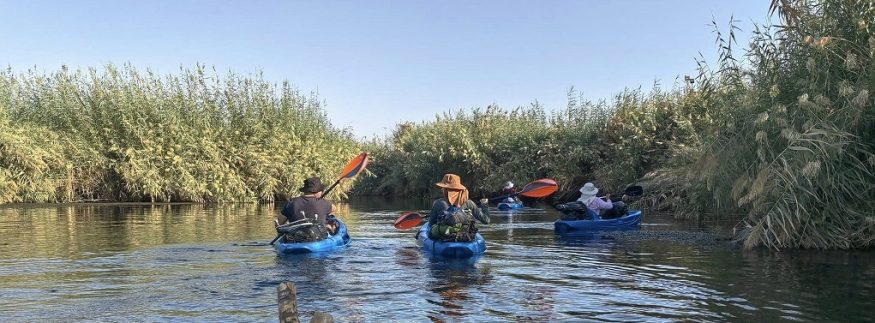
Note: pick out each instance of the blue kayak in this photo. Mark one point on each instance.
(450, 249)
(509, 206)
(628, 221)
(333, 242)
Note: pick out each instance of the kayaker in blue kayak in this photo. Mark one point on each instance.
(597, 204)
(509, 190)
(307, 217)
(452, 216)
(591, 207)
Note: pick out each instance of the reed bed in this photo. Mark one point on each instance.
(121, 134)
(794, 158)
(777, 136)
(616, 142)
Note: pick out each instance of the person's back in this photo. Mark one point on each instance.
(452, 217)
(304, 218)
(455, 223)
(509, 190)
(308, 207)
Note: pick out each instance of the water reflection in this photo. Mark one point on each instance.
(179, 262)
(74, 231)
(453, 280)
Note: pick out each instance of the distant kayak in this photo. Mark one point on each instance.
(333, 242)
(628, 221)
(450, 249)
(510, 206)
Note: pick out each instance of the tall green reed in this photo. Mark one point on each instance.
(191, 136)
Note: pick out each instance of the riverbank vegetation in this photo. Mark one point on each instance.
(780, 138)
(125, 135)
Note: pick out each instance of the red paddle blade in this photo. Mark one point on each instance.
(356, 165)
(540, 188)
(409, 220)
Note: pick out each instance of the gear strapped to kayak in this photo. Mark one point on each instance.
(333, 242)
(577, 211)
(305, 230)
(454, 224)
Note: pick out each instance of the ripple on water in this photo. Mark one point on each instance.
(213, 264)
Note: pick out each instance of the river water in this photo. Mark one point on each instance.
(203, 263)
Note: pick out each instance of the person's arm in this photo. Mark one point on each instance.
(605, 204)
(437, 209)
(282, 217)
(480, 213)
(330, 210)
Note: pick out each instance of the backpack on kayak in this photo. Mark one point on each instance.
(620, 209)
(303, 230)
(455, 224)
(576, 211)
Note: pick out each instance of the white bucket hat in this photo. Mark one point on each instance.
(588, 189)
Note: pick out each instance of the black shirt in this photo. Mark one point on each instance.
(308, 207)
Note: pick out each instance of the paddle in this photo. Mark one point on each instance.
(537, 189)
(355, 166)
(409, 220)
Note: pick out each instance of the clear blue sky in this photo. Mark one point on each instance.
(377, 63)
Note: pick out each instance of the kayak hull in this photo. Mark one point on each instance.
(450, 249)
(333, 242)
(509, 206)
(626, 222)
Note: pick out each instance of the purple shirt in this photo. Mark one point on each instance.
(598, 205)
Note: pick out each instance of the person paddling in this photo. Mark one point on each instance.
(599, 205)
(452, 216)
(307, 217)
(509, 190)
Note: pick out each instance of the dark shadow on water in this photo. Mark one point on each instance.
(453, 280)
(451, 264)
(409, 257)
(582, 238)
(252, 244)
(308, 271)
(589, 237)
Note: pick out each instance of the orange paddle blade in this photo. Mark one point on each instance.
(409, 220)
(540, 188)
(356, 165)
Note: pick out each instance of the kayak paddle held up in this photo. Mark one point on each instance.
(536, 189)
(355, 166)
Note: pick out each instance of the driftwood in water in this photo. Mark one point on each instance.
(288, 306)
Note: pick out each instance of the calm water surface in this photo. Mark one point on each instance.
(210, 263)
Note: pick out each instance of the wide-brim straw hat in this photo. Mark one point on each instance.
(589, 189)
(451, 182)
